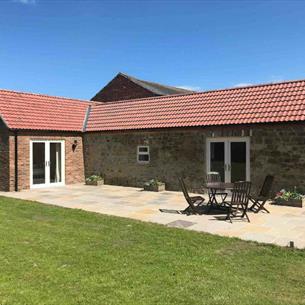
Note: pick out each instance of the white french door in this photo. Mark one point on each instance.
(47, 163)
(230, 157)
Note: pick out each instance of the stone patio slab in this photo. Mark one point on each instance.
(282, 225)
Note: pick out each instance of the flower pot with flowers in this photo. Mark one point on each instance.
(95, 180)
(289, 198)
(154, 185)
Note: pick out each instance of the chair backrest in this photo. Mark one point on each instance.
(184, 189)
(213, 177)
(185, 193)
(266, 187)
(241, 193)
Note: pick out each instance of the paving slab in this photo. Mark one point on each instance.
(282, 225)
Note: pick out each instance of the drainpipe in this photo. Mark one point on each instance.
(16, 161)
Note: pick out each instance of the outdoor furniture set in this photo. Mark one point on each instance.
(238, 203)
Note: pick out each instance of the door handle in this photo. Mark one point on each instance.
(227, 167)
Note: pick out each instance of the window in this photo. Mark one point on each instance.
(143, 154)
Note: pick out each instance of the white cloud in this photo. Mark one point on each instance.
(26, 2)
(192, 88)
(276, 78)
(272, 80)
(242, 85)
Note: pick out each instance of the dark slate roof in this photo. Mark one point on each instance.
(156, 88)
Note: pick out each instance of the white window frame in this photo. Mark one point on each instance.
(143, 153)
(227, 142)
(47, 167)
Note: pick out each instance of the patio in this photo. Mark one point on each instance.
(282, 225)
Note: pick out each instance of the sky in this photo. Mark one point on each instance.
(73, 48)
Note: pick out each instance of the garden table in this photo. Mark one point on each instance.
(214, 187)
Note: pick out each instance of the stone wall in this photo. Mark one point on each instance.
(173, 154)
(277, 149)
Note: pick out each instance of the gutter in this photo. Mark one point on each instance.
(16, 160)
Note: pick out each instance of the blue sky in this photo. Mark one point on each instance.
(73, 48)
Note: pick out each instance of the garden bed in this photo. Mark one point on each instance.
(289, 198)
(95, 180)
(297, 203)
(95, 183)
(155, 188)
(154, 185)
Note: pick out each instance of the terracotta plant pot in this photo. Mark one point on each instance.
(298, 203)
(155, 188)
(95, 183)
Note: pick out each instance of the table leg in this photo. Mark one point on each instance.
(214, 200)
(212, 197)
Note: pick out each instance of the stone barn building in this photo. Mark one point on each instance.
(243, 133)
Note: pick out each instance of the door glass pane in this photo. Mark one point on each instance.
(238, 161)
(39, 169)
(217, 158)
(55, 162)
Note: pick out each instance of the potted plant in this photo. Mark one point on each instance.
(289, 198)
(154, 185)
(95, 180)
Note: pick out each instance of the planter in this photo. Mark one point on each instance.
(95, 183)
(297, 203)
(155, 188)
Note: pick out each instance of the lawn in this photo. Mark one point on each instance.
(52, 255)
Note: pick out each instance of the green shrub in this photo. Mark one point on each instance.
(94, 178)
(288, 195)
(153, 182)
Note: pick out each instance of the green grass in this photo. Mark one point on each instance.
(51, 255)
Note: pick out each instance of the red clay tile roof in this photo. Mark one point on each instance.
(280, 102)
(41, 112)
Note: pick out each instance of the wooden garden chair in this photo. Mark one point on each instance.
(238, 205)
(194, 202)
(258, 202)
